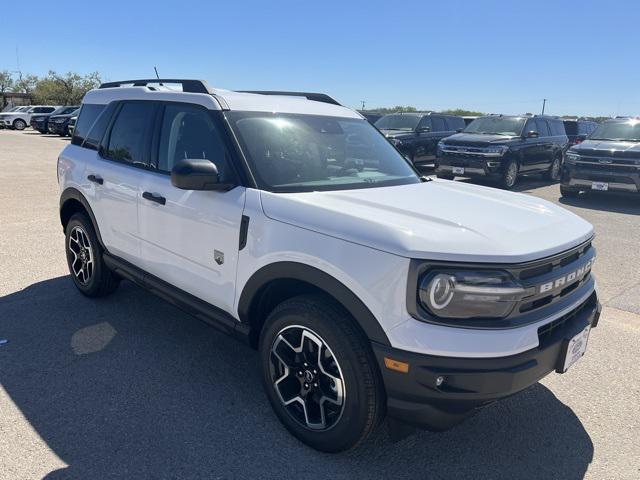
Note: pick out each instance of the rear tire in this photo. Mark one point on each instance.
(553, 174)
(329, 392)
(568, 192)
(509, 175)
(84, 259)
(19, 124)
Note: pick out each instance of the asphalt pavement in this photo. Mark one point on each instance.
(130, 387)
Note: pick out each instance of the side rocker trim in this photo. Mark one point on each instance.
(318, 278)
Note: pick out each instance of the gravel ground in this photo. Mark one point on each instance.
(130, 387)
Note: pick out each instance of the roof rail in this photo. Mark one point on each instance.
(189, 86)
(316, 97)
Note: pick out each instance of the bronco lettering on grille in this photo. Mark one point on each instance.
(567, 279)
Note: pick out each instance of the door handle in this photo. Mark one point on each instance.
(95, 179)
(152, 197)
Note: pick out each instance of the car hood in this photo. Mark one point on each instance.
(477, 139)
(603, 148)
(437, 220)
(53, 117)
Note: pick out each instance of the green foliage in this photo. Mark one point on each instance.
(25, 83)
(396, 109)
(66, 89)
(462, 112)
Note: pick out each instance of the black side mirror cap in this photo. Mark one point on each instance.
(197, 174)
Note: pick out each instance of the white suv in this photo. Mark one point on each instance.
(20, 119)
(290, 222)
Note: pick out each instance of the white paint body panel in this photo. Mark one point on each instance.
(363, 238)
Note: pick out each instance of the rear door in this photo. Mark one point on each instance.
(123, 156)
(190, 238)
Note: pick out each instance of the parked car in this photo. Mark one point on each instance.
(59, 124)
(372, 117)
(608, 160)
(503, 147)
(293, 225)
(11, 110)
(469, 118)
(20, 119)
(41, 122)
(578, 130)
(72, 125)
(416, 135)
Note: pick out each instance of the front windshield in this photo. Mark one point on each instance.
(65, 110)
(623, 131)
(511, 126)
(398, 122)
(302, 153)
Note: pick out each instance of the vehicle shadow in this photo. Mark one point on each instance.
(130, 387)
(607, 202)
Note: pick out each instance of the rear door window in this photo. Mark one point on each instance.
(127, 142)
(438, 124)
(454, 123)
(87, 116)
(543, 128)
(425, 123)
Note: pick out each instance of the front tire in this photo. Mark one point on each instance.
(319, 374)
(509, 175)
(568, 192)
(19, 124)
(84, 258)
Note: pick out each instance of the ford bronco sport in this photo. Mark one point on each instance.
(288, 221)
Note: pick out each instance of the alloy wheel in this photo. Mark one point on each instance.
(307, 378)
(80, 248)
(512, 174)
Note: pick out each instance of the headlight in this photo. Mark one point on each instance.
(498, 150)
(572, 157)
(395, 141)
(59, 120)
(469, 294)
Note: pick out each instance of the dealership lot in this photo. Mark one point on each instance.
(129, 386)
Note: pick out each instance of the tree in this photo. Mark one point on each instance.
(67, 89)
(6, 84)
(462, 112)
(396, 109)
(25, 83)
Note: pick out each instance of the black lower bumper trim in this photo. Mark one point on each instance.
(469, 383)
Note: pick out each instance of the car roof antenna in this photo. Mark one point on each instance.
(157, 76)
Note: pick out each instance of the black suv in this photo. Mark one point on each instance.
(416, 135)
(608, 160)
(40, 122)
(502, 147)
(578, 130)
(59, 124)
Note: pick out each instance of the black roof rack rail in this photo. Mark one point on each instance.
(189, 86)
(316, 97)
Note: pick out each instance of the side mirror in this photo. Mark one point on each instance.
(197, 174)
(532, 134)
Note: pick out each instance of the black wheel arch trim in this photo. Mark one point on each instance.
(318, 278)
(72, 193)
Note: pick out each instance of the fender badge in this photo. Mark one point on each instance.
(218, 256)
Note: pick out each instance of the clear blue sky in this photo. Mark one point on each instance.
(494, 56)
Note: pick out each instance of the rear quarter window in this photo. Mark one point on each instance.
(89, 112)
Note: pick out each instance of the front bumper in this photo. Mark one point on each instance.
(470, 383)
(474, 165)
(40, 126)
(57, 128)
(623, 178)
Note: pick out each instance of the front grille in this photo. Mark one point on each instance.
(554, 263)
(546, 332)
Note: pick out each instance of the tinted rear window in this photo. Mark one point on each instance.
(454, 123)
(438, 124)
(88, 115)
(127, 137)
(571, 127)
(557, 128)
